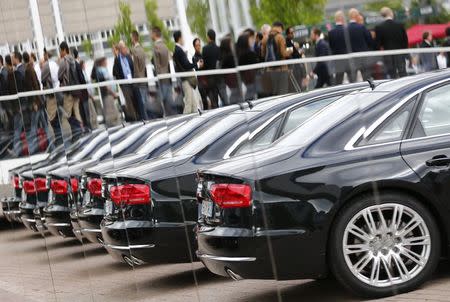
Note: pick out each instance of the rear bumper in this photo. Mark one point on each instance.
(239, 253)
(57, 220)
(27, 215)
(40, 220)
(76, 229)
(148, 242)
(89, 220)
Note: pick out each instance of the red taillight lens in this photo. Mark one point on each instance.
(94, 186)
(29, 187)
(16, 182)
(40, 184)
(229, 196)
(59, 186)
(130, 194)
(74, 184)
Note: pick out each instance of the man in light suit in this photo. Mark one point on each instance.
(161, 57)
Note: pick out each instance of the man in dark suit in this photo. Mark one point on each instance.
(124, 69)
(390, 35)
(360, 40)
(322, 49)
(339, 45)
(211, 58)
(447, 44)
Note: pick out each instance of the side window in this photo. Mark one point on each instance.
(299, 115)
(434, 114)
(392, 129)
(262, 140)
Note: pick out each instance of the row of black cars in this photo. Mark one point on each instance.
(351, 181)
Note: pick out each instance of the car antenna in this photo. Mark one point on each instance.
(241, 106)
(250, 104)
(199, 112)
(371, 84)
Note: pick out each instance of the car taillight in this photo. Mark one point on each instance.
(229, 196)
(94, 186)
(16, 182)
(131, 194)
(40, 184)
(29, 187)
(59, 186)
(74, 184)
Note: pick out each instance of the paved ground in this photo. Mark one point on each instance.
(33, 268)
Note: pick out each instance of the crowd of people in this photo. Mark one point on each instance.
(39, 122)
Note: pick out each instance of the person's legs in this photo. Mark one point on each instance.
(129, 109)
(400, 64)
(188, 97)
(143, 92)
(18, 126)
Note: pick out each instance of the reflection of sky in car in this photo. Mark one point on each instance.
(175, 135)
(213, 133)
(326, 117)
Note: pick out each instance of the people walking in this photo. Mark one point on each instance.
(123, 69)
(322, 49)
(161, 58)
(247, 56)
(140, 71)
(339, 45)
(391, 35)
(182, 64)
(298, 70)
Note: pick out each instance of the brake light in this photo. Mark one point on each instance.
(40, 184)
(59, 186)
(94, 186)
(131, 194)
(74, 184)
(29, 187)
(16, 182)
(229, 196)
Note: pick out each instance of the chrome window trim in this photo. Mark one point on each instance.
(367, 132)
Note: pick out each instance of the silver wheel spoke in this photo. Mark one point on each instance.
(375, 273)
(384, 226)
(397, 217)
(419, 260)
(356, 248)
(421, 240)
(387, 268)
(358, 232)
(368, 218)
(401, 267)
(362, 263)
(412, 224)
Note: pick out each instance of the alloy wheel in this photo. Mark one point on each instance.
(387, 244)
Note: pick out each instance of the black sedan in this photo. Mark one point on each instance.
(57, 211)
(11, 205)
(151, 208)
(360, 191)
(92, 211)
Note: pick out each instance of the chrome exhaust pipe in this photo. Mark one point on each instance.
(233, 275)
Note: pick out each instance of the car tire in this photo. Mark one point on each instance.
(371, 265)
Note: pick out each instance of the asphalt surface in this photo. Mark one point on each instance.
(34, 268)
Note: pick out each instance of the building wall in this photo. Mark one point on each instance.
(15, 21)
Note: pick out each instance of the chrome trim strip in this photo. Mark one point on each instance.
(58, 224)
(129, 247)
(226, 259)
(351, 143)
(91, 230)
(30, 220)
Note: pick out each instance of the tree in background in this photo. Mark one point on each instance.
(151, 9)
(290, 12)
(124, 25)
(88, 48)
(376, 6)
(197, 12)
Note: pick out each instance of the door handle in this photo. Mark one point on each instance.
(438, 161)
